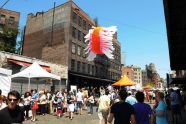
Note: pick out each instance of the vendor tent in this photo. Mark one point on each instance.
(35, 71)
(148, 86)
(5, 80)
(124, 81)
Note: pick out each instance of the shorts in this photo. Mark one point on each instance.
(70, 107)
(79, 104)
(103, 114)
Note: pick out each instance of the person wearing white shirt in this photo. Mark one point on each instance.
(79, 98)
(27, 100)
(43, 102)
(104, 105)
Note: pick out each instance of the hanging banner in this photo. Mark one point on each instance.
(5, 81)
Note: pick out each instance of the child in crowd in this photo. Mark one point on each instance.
(59, 109)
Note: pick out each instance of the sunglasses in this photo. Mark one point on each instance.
(14, 100)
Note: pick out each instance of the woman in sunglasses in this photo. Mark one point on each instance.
(12, 113)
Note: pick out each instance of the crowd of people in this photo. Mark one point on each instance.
(120, 105)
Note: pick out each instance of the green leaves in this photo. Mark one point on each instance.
(8, 39)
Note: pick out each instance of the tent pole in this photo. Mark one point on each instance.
(37, 79)
(60, 84)
(21, 88)
(28, 83)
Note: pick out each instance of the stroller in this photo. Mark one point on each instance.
(59, 108)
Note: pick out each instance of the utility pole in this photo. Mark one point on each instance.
(52, 32)
(4, 4)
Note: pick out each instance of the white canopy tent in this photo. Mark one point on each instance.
(5, 80)
(35, 71)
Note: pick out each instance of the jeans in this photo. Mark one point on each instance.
(91, 108)
(27, 108)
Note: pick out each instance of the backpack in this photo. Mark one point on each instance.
(68, 99)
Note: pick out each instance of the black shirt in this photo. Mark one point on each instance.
(122, 112)
(8, 116)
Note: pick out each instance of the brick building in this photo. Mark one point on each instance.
(8, 20)
(58, 36)
(137, 75)
(144, 77)
(128, 71)
(134, 73)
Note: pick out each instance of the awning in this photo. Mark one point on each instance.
(91, 77)
(178, 80)
(27, 64)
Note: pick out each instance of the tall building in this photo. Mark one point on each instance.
(137, 75)
(8, 20)
(153, 76)
(144, 77)
(58, 36)
(128, 71)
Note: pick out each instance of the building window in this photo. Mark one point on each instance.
(79, 21)
(89, 26)
(83, 37)
(73, 32)
(1, 28)
(73, 64)
(83, 52)
(88, 68)
(11, 20)
(93, 71)
(74, 17)
(73, 48)
(83, 67)
(2, 19)
(79, 50)
(96, 70)
(2, 16)
(79, 35)
(84, 24)
(78, 66)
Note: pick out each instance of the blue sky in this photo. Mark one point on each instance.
(141, 26)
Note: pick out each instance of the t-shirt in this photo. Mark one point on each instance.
(122, 112)
(79, 96)
(161, 107)
(142, 112)
(131, 100)
(8, 116)
(104, 102)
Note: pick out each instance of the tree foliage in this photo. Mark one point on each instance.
(8, 39)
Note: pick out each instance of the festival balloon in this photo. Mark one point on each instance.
(100, 42)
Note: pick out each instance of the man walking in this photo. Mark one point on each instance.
(104, 105)
(122, 112)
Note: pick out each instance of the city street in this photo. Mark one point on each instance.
(78, 119)
(82, 119)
